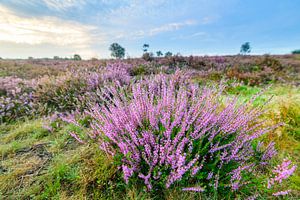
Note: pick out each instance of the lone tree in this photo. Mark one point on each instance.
(117, 50)
(168, 54)
(145, 47)
(245, 48)
(76, 57)
(159, 53)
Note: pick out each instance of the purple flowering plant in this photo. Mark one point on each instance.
(16, 99)
(167, 132)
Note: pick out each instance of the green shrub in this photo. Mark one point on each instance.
(138, 70)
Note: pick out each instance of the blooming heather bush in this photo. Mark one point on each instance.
(11, 85)
(15, 98)
(118, 71)
(169, 132)
(60, 94)
(17, 106)
(76, 89)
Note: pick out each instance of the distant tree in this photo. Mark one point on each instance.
(145, 47)
(245, 48)
(117, 50)
(168, 54)
(297, 51)
(30, 58)
(0, 58)
(76, 57)
(56, 58)
(159, 53)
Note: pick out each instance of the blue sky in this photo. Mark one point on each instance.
(47, 28)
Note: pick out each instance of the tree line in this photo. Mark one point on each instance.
(118, 52)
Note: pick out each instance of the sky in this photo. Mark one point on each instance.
(47, 28)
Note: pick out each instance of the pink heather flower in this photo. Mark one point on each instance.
(47, 127)
(281, 193)
(127, 173)
(76, 138)
(195, 170)
(253, 197)
(281, 172)
(268, 153)
(194, 189)
(210, 175)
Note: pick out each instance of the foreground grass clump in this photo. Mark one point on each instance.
(169, 134)
(38, 164)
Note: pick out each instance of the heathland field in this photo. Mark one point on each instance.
(225, 127)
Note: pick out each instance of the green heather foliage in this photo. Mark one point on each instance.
(138, 70)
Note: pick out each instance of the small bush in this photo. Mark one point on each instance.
(76, 89)
(138, 70)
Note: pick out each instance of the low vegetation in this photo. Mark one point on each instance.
(170, 128)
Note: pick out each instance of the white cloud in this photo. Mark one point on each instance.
(61, 5)
(193, 35)
(132, 12)
(41, 30)
(154, 31)
(48, 30)
(171, 27)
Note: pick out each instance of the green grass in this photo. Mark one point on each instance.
(42, 165)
